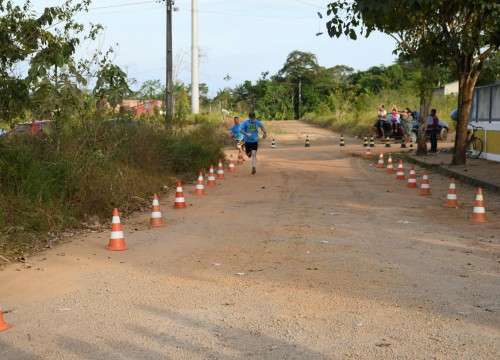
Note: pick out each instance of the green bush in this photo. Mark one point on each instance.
(85, 170)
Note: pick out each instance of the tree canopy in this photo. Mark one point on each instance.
(432, 32)
(39, 73)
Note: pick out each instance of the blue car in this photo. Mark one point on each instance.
(443, 129)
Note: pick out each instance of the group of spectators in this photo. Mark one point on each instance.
(400, 122)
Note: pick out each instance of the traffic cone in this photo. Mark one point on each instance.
(372, 141)
(200, 189)
(390, 168)
(273, 144)
(307, 141)
(451, 198)
(403, 143)
(116, 239)
(231, 167)
(3, 325)
(211, 177)
(156, 218)
(400, 174)
(387, 142)
(342, 140)
(179, 203)
(220, 171)
(412, 178)
(425, 188)
(479, 213)
(365, 141)
(381, 164)
(368, 154)
(240, 160)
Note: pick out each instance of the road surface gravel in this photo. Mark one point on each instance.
(319, 255)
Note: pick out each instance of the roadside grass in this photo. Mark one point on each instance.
(359, 117)
(83, 171)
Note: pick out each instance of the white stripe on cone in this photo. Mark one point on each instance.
(156, 214)
(116, 235)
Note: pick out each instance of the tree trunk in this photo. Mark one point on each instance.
(427, 85)
(465, 92)
(425, 106)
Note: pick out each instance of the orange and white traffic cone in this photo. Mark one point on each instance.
(116, 239)
(390, 168)
(231, 167)
(211, 177)
(156, 218)
(3, 325)
(180, 202)
(425, 188)
(451, 198)
(200, 189)
(368, 154)
(220, 170)
(479, 213)
(381, 163)
(412, 178)
(400, 174)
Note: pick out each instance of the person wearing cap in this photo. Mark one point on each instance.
(250, 129)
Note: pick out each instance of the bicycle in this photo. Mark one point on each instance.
(474, 146)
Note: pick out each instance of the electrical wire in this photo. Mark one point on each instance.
(123, 5)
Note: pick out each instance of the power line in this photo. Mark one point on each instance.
(122, 5)
(254, 16)
(309, 4)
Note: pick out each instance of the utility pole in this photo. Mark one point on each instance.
(169, 100)
(300, 97)
(195, 89)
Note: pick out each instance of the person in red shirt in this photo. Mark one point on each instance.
(433, 122)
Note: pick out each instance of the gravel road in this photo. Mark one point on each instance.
(320, 255)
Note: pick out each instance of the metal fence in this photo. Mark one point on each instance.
(485, 104)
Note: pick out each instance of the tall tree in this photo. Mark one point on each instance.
(46, 44)
(151, 90)
(491, 71)
(432, 32)
(299, 72)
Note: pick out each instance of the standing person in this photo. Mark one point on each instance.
(378, 127)
(433, 122)
(238, 137)
(250, 129)
(406, 122)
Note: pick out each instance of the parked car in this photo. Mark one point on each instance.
(388, 130)
(443, 129)
(43, 127)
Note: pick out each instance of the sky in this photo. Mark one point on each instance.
(238, 39)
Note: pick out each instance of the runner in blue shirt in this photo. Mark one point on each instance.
(250, 128)
(238, 137)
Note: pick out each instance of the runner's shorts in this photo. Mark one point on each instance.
(249, 146)
(240, 143)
